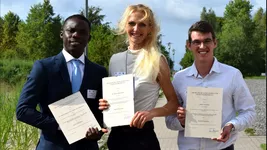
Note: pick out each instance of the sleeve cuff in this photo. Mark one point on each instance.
(178, 125)
(234, 125)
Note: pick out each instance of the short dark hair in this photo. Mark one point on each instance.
(201, 26)
(78, 16)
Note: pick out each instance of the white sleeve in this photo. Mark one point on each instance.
(244, 104)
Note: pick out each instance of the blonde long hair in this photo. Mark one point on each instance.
(147, 64)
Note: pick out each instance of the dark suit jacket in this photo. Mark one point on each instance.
(48, 82)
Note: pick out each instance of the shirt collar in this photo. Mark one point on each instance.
(69, 57)
(215, 68)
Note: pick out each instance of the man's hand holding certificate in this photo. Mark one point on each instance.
(119, 92)
(203, 112)
(74, 117)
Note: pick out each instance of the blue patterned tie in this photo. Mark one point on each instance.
(76, 75)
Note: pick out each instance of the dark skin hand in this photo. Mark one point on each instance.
(94, 134)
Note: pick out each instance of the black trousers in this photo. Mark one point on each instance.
(231, 147)
(130, 138)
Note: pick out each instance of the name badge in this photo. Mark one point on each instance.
(118, 73)
(91, 94)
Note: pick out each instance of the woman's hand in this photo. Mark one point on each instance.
(103, 104)
(140, 118)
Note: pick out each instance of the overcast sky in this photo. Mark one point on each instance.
(173, 16)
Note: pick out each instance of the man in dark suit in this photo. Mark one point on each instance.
(51, 79)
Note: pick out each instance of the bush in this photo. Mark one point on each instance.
(13, 71)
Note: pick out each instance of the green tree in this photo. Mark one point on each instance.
(260, 35)
(165, 52)
(167, 55)
(209, 16)
(9, 31)
(39, 36)
(1, 30)
(219, 25)
(188, 58)
(237, 45)
(103, 44)
(94, 15)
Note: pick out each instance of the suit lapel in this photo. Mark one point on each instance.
(62, 66)
(88, 75)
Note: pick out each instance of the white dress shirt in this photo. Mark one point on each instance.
(236, 99)
(68, 58)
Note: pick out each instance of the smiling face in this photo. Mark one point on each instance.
(137, 30)
(75, 35)
(202, 46)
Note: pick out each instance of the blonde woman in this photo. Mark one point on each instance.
(144, 60)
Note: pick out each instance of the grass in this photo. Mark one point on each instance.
(14, 135)
(263, 146)
(256, 77)
(250, 131)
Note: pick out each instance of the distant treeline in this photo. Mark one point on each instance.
(38, 36)
(241, 37)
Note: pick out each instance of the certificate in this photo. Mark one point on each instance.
(73, 116)
(203, 112)
(119, 92)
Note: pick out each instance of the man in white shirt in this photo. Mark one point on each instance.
(208, 72)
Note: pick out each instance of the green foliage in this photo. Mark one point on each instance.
(9, 31)
(187, 60)
(39, 36)
(13, 71)
(237, 45)
(237, 8)
(5, 112)
(250, 131)
(1, 29)
(14, 135)
(209, 16)
(260, 35)
(167, 55)
(263, 146)
(164, 51)
(94, 15)
(256, 77)
(103, 44)
(241, 38)
(219, 25)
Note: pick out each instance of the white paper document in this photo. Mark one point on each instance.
(203, 112)
(119, 92)
(73, 116)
